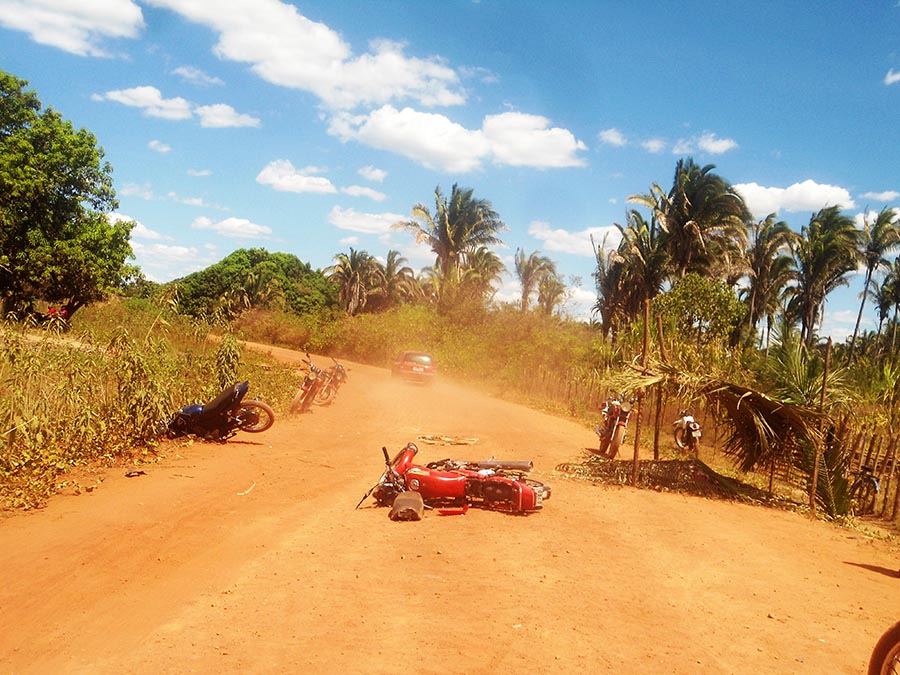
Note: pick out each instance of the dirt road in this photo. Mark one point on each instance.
(249, 557)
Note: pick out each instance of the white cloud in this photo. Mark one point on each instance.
(190, 201)
(805, 196)
(164, 262)
(709, 142)
(151, 101)
(575, 243)
(159, 146)
(199, 172)
(235, 228)
(196, 76)
(519, 139)
(287, 49)
(683, 146)
(654, 145)
(373, 174)
(438, 143)
(706, 142)
(886, 196)
(430, 139)
(891, 77)
(281, 175)
(140, 231)
(221, 115)
(366, 223)
(613, 137)
(361, 191)
(75, 27)
(144, 191)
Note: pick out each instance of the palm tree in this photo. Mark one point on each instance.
(703, 219)
(890, 287)
(825, 253)
(395, 282)
(644, 261)
(483, 268)
(884, 302)
(770, 268)
(355, 275)
(458, 227)
(551, 293)
(876, 240)
(608, 278)
(531, 271)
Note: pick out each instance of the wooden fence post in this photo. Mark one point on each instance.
(814, 484)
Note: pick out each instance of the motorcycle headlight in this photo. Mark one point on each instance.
(626, 406)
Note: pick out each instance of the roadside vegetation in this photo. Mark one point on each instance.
(698, 305)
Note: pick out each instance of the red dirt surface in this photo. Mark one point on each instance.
(248, 557)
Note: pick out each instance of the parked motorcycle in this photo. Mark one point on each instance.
(311, 386)
(332, 379)
(687, 432)
(491, 484)
(611, 432)
(885, 658)
(223, 417)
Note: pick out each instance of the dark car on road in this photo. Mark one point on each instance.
(414, 366)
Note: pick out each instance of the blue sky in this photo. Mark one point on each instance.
(311, 127)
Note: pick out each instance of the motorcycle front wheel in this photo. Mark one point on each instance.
(616, 442)
(681, 439)
(256, 416)
(885, 659)
(297, 403)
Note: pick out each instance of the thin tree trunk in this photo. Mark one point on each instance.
(814, 484)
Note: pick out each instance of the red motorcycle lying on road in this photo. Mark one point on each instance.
(501, 486)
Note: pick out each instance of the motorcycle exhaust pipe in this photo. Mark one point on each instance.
(524, 465)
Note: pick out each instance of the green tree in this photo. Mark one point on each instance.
(876, 241)
(531, 270)
(457, 228)
(355, 274)
(701, 308)
(770, 269)
(56, 242)
(551, 293)
(483, 269)
(609, 281)
(825, 253)
(703, 220)
(274, 275)
(644, 261)
(395, 282)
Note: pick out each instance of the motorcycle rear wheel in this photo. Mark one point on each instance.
(885, 659)
(862, 497)
(616, 442)
(260, 416)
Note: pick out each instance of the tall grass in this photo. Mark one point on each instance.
(99, 392)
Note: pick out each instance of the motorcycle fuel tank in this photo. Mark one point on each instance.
(432, 484)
